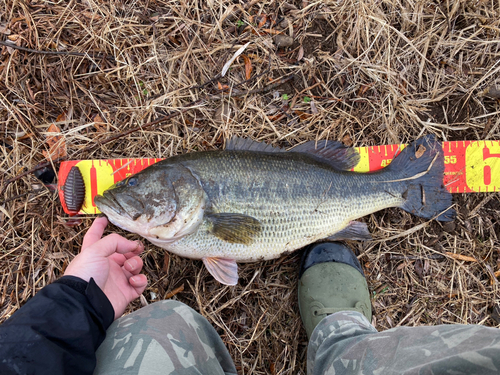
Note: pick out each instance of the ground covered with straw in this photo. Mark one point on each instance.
(362, 72)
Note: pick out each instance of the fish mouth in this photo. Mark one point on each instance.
(108, 200)
(129, 206)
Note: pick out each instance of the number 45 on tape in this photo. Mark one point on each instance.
(470, 167)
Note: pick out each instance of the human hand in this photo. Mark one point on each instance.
(113, 263)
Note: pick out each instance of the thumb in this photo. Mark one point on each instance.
(95, 232)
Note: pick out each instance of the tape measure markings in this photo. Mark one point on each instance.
(470, 166)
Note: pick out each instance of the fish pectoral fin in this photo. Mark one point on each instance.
(355, 230)
(223, 270)
(235, 228)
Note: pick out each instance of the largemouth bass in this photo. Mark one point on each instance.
(253, 202)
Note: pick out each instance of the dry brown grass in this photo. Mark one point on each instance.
(378, 72)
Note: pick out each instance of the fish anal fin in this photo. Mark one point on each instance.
(247, 144)
(331, 152)
(223, 270)
(355, 230)
(235, 228)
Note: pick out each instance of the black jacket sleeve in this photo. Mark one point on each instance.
(57, 331)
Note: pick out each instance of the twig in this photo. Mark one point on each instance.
(174, 292)
(34, 191)
(64, 53)
(267, 88)
(415, 257)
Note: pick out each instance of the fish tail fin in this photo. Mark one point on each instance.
(420, 167)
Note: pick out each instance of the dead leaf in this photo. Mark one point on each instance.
(461, 257)
(224, 113)
(283, 41)
(314, 110)
(55, 143)
(420, 151)
(166, 263)
(222, 87)
(300, 54)
(61, 118)
(363, 89)
(427, 266)
(227, 65)
(272, 368)
(276, 117)
(262, 21)
(497, 274)
(99, 124)
(3, 212)
(173, 40)
(69, 222)
(30, 91)
(248, 67)
(4, 30)
(419, 268)
(401, 266)
(90, 15)
(492, 92)
(347, 140)
(303, 115)
(58, 255)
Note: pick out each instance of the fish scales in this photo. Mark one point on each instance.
(297, 199)
(241, 206)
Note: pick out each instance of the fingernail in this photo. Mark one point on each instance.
(133, 280)
(140, 245)
(132, 263)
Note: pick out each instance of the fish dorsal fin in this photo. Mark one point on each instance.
(223, 270)
(247, 144)
(332, 152)
(234, 228)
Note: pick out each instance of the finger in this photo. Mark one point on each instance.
(140, 249)
(115, 243)
(138, 282)
(118, 258)
(95, 232)
(121, 258)
(133, 265)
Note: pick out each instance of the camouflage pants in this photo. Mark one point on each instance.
(169, 337)
(346, 343)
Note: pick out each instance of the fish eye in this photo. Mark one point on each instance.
(132, 181)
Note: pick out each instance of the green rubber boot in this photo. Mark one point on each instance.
(331, 280)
